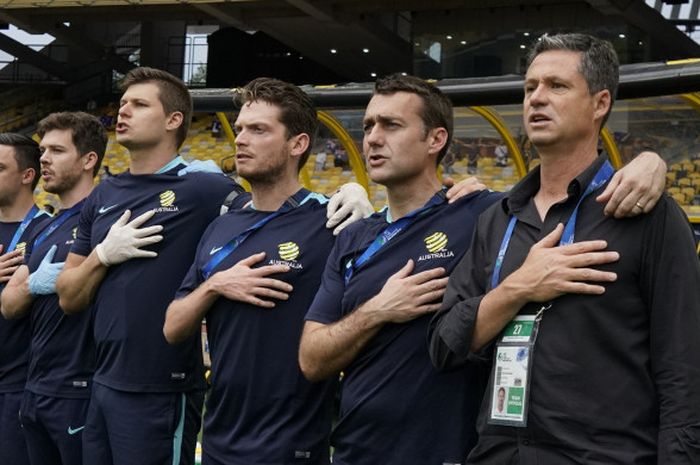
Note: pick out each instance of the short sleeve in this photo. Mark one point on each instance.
(194, 278)
(327, 305)
(83, 239)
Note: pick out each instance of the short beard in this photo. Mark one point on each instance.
(268, 177)
(64, 184)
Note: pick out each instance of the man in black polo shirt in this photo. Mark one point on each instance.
(591, 323)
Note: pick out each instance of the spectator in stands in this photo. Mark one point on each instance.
(320, 161)
(529, 152)
(449, 159)
(340, 156)
(612, 319)
(501, 153)
(107, 172)
(215, 127)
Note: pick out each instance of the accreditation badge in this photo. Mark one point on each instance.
(512, 366)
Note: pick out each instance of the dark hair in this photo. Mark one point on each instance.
(173, 94)
(599, 66)
(297, 110)
(88, 134)
(437, 107)
(27, 153)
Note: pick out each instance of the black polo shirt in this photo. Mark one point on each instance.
(615, 377)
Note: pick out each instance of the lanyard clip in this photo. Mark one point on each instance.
(544, 307)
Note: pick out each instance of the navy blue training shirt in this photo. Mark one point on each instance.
(62, 353)
(129, 308)
(395, 407)
(15, 334)
(261, 409)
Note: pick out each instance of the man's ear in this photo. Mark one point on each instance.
(602, 103)
(90, 161)
(299, 144)
(437, 138)
(174, 121)
(28, 176)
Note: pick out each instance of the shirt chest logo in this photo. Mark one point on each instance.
(288, 250)
(21, 247)
(436, 245)
(288, 253)
(104, 209)
(74, 234)
(167, 202)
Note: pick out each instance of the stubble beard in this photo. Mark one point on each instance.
(63, 184)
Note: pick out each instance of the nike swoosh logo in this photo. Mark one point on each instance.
(214, 250)
(72, 431)
(106, 209)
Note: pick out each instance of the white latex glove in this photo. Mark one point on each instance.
(124, 240)
(348, 204)
(200, 166)
(43, 280)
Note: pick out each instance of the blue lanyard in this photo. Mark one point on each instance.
(57, 222)
(172, 164)
(33, 213)
(391, 231)
(601, 177)
(290, 204)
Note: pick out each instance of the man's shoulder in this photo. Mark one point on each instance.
(205, 176)
(477, 201)
(374, 222)
(214, 187)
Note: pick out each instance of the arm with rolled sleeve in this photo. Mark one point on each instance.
(670, 283)
(451, 329)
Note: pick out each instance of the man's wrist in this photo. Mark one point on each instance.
(101, 255)
(370, 313)
(516, 293)
(212, 287)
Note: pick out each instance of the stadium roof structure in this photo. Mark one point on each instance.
(355, 39)
(636, 81)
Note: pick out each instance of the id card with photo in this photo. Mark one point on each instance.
(511, 372)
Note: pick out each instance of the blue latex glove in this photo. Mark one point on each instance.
(206, 166)
(43, 280)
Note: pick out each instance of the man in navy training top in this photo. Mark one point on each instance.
(383, 280)
(147, 395)
(285, 419)
(605, 313)
(19, 216)
(62, 358)
(254, 294)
